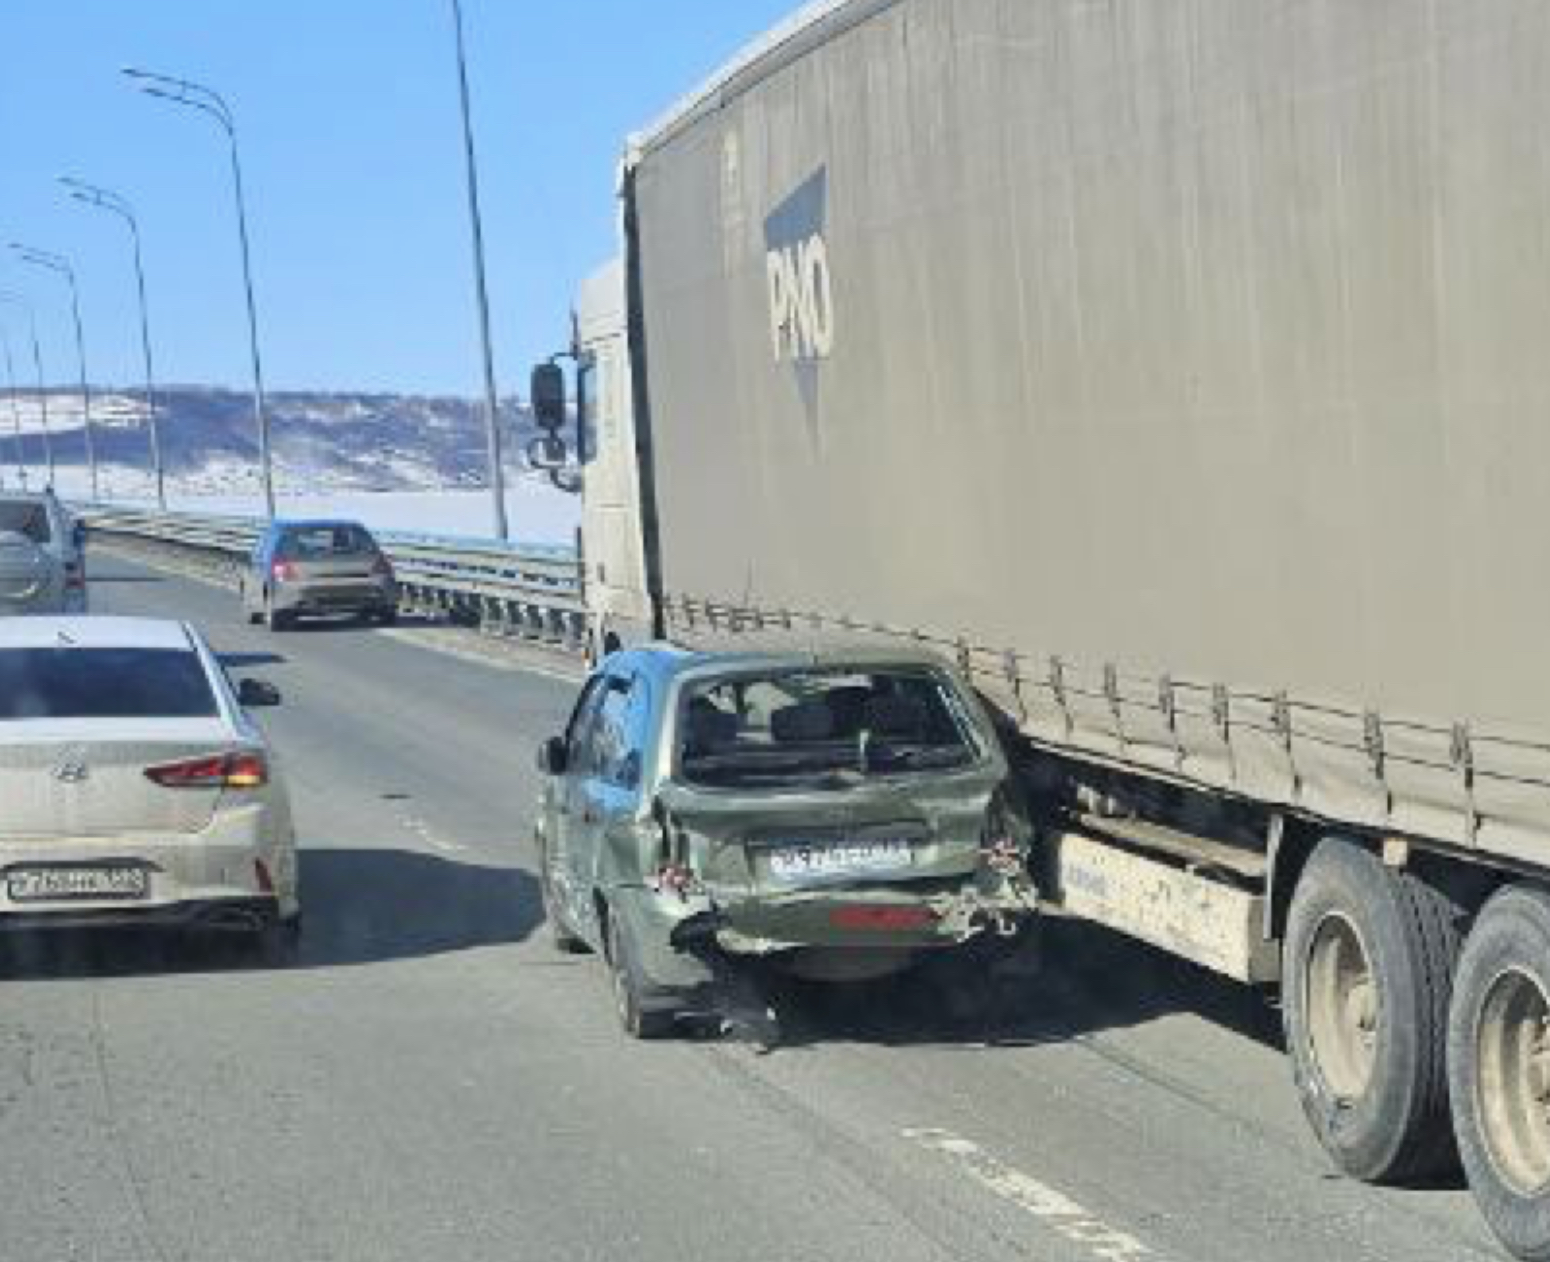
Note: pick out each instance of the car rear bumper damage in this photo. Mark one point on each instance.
(840, 919)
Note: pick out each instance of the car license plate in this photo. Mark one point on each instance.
(839, 858)
(46, 885)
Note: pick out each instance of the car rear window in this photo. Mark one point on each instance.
(106, 683)
(319, 543)
(26, 517)
(823, 728)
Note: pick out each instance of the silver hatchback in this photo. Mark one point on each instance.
(42, 568)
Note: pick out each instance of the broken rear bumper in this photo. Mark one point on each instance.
(877, 918)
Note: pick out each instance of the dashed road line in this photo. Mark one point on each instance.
(1050, 1206)
(431, 838)
(416, 636)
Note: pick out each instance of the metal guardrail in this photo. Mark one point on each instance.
(531, 593)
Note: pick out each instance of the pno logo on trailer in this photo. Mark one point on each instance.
(800, 286)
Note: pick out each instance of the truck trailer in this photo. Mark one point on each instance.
(1181, 372)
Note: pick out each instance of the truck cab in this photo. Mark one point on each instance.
(613, 549)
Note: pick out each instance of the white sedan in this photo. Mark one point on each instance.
(134, 789)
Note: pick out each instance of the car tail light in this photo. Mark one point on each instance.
(75, 576)
(382, 567)
(215, 771)
(283, 571)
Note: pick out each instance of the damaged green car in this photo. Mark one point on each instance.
(836, 815)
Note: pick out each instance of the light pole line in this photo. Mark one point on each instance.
(210, 102)
(496, 473)
(114, 204)
(16, 412)
(22, 301)
(60, 265)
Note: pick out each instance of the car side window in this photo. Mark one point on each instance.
(613, 747)
(578, 732)
(609, 741)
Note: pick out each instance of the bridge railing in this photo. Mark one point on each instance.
(531, 592)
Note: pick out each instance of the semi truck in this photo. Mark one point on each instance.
(1181, 372)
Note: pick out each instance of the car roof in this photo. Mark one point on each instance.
(94, 632)
(316, 523)
(677, 660)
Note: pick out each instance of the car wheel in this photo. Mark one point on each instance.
(629, 987)
(277, 619)
(1498, 1053)
(560, 934)
(1369, 960)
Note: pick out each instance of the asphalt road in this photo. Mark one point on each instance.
(432, 1081)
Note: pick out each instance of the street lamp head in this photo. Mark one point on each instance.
(182, 92)
(96, 195)
(43, 258)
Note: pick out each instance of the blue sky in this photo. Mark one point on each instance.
(349, 123)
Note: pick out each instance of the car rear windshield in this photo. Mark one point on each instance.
(818, 728)
(321, 543)
(25, 517)
(106, 683)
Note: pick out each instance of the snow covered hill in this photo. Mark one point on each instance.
(322, 441)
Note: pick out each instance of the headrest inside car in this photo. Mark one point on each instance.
(898, 717)
(709, 728)
(808, 721)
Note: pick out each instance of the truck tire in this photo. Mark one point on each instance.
(629, 987)
(1368, 964)
(1499, 1068)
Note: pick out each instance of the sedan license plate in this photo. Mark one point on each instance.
(48, 885)
(840, 858)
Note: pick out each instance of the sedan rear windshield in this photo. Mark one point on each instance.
(109, 683)
(25, 517)
(815, 728)
(322, 543)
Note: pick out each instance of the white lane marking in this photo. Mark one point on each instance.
(416, 637)
(431, 838)
(1054, 1208)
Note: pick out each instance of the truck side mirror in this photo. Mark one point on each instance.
(546, 392)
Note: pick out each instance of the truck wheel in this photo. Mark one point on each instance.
(1499, 1068)
(1368, 965)
(629, 987)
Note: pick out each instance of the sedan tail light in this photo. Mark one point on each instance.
(75, 576)
(382, 567)
(213, 771)
(283, 571)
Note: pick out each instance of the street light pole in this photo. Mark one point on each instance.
(209, 102)
(60, 265)
(37, 364)
(16, 412)
(496, 474)
(106, 199)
